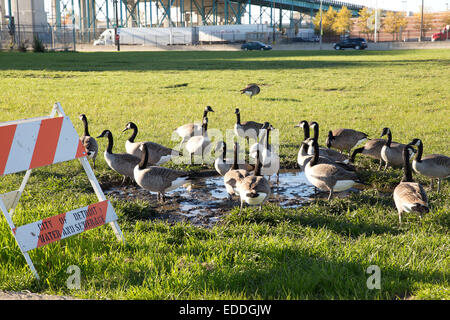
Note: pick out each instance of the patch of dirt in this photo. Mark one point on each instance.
(27, 295)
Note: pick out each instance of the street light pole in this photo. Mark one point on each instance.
(321, 31)
(116, 35)
(421, 23)
(375, 35)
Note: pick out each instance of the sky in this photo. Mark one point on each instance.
(410, 5)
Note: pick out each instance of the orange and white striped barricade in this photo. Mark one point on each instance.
(31, 143)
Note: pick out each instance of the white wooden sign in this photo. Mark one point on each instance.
(37, 142)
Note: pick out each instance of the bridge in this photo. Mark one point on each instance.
(92, 15)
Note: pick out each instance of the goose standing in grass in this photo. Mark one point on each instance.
(306, 152)
(251, 90)
(326, 152)
(409, 196)
(254, 189)
(345, 139)
(189, 129)
(391, 152)
(329, 177)
(158, 179)
(122, 163)
(89, 143)
(222, 164)
(234, 175)
(434, 166)
(247, 129)
(199, 144)
(157, 154)
(372, 148)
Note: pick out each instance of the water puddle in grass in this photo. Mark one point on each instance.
(206, 200)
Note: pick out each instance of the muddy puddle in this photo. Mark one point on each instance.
(205, 202)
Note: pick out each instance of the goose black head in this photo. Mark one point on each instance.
(415, 142)
(385, 132)
(267, 125)
(130, 125)
(236, 111)
(209, 109)
(105, 133)
(82, 117)
(301, 124)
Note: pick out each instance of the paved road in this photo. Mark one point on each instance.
(296, 46)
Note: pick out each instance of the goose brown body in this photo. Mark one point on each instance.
(409, 196)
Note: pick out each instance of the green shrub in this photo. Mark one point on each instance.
(38, 46)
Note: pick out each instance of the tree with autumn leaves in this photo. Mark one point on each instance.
(334, 22)
(394, 22)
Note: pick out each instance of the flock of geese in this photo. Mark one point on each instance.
(326, 168)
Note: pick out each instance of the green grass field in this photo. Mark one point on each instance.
(319, 251)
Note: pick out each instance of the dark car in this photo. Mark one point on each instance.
(355, 43)
(255, 45)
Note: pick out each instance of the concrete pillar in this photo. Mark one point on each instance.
(30, 18)
(2, 14)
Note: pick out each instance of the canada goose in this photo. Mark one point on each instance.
(232, 176)
(157, 154)
(270, 159)
(372, 148)
(122, 163)
(199, 144)
(329, 177)
(157, 179)
(188, 130)
(435, 166)
(409, 196)
(391, 153)
(345, 139)
(254, 189)
(326, 152)
(247, 129)
(251, 90)
(305, 159)
(89, 143)
(222, 164)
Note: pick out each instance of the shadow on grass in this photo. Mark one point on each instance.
(297, 274)
(185, 61)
